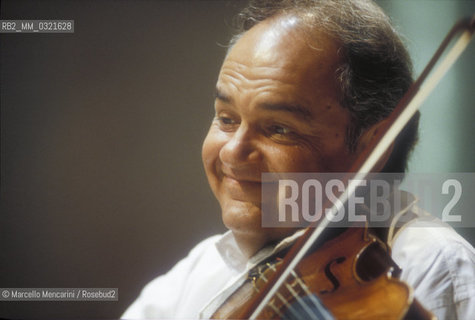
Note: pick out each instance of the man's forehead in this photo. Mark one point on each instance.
(285, 42)
(265, 38)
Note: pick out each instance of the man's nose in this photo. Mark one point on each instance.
(241, 148)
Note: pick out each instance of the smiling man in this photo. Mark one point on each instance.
(274, 113)
(304, 88)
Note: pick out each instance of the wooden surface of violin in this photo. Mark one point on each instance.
(352, 275)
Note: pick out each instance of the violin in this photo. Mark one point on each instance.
(330, 273)
(352, 275)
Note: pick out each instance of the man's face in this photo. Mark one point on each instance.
(277, 110)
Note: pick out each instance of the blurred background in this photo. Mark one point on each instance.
(101, 131)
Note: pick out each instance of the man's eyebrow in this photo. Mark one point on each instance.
(222, 96)
(296, 109)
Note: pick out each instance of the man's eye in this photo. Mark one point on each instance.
(226, 123)
(225, 120)
(282, 134)
(281, 130)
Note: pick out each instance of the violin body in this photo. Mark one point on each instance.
(355, 278)
(352, 275)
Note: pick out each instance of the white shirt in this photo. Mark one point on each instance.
(440, 265)
(437, 262)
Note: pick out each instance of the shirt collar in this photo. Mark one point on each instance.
(236, 260)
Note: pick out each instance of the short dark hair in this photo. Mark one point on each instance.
(377, 68)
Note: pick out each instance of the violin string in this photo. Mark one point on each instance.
(304, 305)
(302, 285)
(276, 310)
(301, 302)
(271, 302)
(305, 288)
(288, 306)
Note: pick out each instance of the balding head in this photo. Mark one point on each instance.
(376, 71)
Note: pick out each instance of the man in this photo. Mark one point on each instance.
(304, 87)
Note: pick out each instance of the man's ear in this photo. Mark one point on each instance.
(368, 136)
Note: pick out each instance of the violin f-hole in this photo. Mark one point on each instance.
(331, 276)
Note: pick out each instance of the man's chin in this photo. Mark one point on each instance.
(241, 216)
(245, 220)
